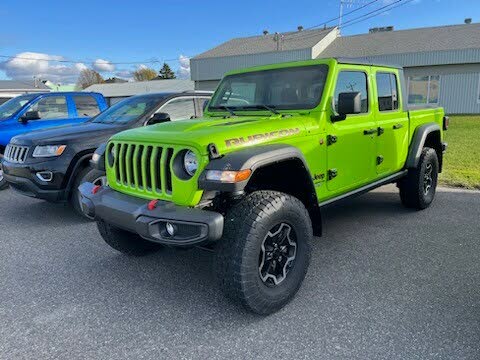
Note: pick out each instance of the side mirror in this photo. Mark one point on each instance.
(348, 103)
(29, 115)
(158, 118)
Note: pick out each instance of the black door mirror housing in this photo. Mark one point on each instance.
(29, 115)
(348, 103)
(158, 118)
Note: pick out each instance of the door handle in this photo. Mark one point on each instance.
(397, 126)
(380, 131)
(369, 132)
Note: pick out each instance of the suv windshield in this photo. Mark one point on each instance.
(127, 110)
(12, 106)
(291, 88)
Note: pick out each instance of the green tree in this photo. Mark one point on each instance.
(88, 77)
(166, 72)
(144, 74)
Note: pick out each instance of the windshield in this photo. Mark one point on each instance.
(127, 110)
(279, 89)
(12, 106)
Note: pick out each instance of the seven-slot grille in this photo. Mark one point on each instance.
(16, 154)
(143, 167)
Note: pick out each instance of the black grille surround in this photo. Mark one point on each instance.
(16, 154)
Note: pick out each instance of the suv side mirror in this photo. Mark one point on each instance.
(29, 115)
(158, 118)
(348, 103)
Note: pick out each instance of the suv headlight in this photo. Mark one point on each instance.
(190, 162)
(49, 150)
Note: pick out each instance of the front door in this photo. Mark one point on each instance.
(392, 122)
(351, 142)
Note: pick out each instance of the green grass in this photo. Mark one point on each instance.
(462, 159)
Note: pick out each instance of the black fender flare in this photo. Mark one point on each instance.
(418, 141)
(252, 158)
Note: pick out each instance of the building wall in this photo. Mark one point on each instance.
(208, 85)
(213, 68)
(459, 86)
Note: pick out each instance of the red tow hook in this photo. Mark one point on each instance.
(95, 189)
(152, 205)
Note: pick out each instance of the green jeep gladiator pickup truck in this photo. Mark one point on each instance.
(276, 144)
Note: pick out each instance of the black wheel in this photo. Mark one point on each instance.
(265, 251)
(88, 174)
(3, 182)
(417, 189)
(126, 242)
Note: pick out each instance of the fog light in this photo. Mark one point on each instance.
(171, 229)
(45, 176)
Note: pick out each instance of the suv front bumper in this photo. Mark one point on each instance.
(191, 226)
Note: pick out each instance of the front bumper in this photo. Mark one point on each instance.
(192, 226)
(22, 178)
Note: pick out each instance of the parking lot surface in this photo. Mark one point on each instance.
(384, 283)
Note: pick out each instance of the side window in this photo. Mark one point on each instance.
(86, 105)
(179, 109)
(51, 107)
(352, 81)
(387, 91)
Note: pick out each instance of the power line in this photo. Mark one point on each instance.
(360, 18)
(376, 12)
(11, 57)
(345, 14)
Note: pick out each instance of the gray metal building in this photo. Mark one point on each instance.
(442, 64)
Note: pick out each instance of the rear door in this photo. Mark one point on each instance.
(392, 123)
(351, 142)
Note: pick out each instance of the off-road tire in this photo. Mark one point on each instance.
(126, 242)
(3, 182)
(85, 175)
(412, 187)
(237, 255)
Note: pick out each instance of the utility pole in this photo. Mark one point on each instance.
(340, 16)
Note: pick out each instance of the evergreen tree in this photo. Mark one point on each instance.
(166, 72)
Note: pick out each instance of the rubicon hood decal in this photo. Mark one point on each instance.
(262, 136)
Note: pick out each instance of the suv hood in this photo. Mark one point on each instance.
(66, 134)
(227, 134)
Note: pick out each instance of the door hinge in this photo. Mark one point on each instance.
(379, 159)
(380, 131)
(332, 173)
(331, 139)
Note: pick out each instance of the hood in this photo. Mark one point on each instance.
(226, 133)
(67, 134)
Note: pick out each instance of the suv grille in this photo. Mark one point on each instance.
(142, 167)
(16, 154)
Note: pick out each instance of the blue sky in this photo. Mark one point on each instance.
(90, 31)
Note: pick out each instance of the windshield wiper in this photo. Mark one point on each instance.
(270, 108)
(224, 107)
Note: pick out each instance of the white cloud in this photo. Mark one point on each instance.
(103, 65)
(26, 65)
(184, 70)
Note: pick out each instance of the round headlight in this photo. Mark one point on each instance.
(190, 162)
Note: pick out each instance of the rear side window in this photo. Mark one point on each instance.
(179, 109)
(352, 81)
(387, 90)
(51, 107)
(86, 105)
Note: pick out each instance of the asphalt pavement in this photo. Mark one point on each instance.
(384, 283)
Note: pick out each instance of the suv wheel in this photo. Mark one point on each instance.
(125, 241)
(265, 251)
(417, 189)
(88, 174)
(3, 182)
